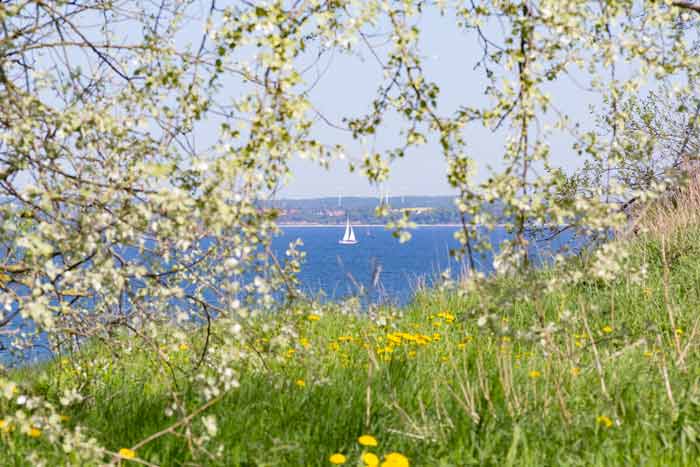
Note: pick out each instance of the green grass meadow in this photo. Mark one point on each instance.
(589, 374)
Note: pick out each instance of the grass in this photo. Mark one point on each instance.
(614, 384)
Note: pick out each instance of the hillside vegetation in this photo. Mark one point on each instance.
(594, 373)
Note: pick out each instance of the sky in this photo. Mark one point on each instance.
(346, 87)
(349, 83)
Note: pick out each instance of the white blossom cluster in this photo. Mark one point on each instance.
(123, 223)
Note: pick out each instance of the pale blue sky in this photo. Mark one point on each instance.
(450, 54)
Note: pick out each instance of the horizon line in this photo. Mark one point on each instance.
(363, 196)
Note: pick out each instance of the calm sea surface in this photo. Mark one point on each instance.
(378, 268)
(381, 266)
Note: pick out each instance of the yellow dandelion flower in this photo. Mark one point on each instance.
(334, 346)
(183, 347)
(367, 440)
(394, 338)
(679, 331)
(370, 459)
(127, 453)
(64, 418)
(575, 371)
(300, 382)
(648, 353)
(304, 342)
(607, 329)
(394, 459)
(34, 432)
(412, 354)
(6, 427)
(604, 421)
(337, 459)
(313, 317)
(535, 374)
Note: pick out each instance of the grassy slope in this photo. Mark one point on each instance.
(466, 397)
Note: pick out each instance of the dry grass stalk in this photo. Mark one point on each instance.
(667, 300)
(668, 215)
(598, 365)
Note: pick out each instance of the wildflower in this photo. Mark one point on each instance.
(648, 353)
(679, 331)
(300, 382)
(64, 418)
(393, 338)
(604, 420)
(575, 371)
(367, 440)
(607, 329)
(304, 342)
(412, 354)
(313, 317)
(127, 453)
(183, 347)
(370, 460)
(334, 346)
(394, 459)
(461, 346)
(34, 432)
(337, 459)
(535, 374)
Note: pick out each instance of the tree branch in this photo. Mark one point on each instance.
(688, 5)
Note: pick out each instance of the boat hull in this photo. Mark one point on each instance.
(347, 242)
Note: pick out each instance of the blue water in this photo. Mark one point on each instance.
(378, 269)
(378, 266)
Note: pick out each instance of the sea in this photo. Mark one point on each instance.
(378, 268)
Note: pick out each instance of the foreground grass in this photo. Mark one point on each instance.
(614, 384)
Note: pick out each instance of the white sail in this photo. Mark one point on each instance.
(346, 237)
(349, 237)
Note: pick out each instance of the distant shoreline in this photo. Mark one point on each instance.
(364, 225)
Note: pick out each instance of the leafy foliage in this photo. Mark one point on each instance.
(117, 218)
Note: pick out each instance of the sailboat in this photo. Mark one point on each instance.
(349, 237)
